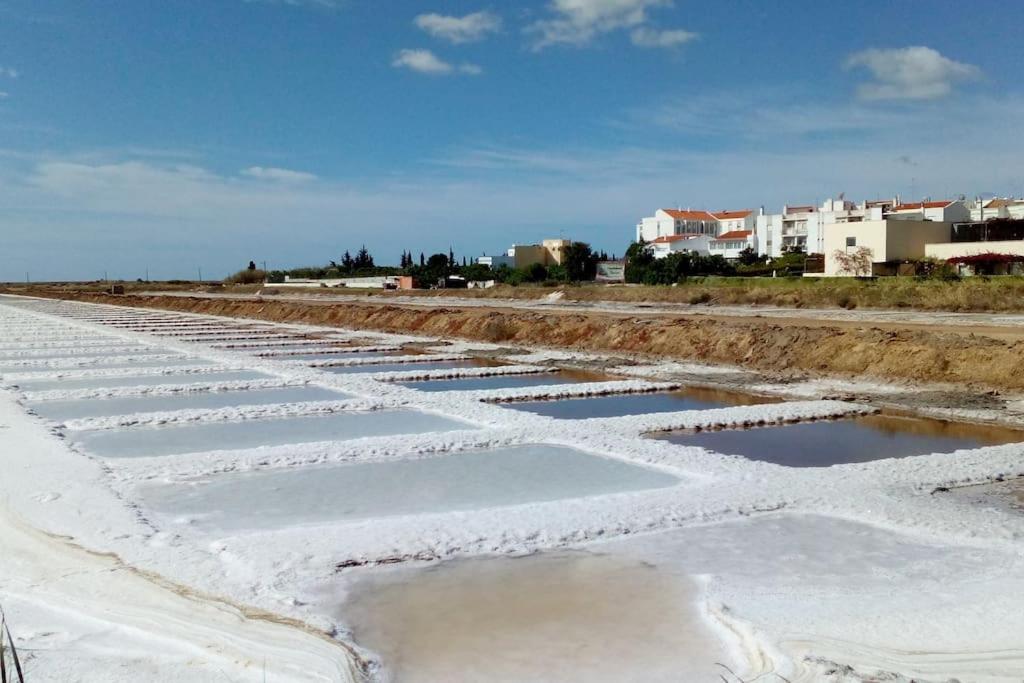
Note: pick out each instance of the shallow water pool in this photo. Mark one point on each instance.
(507, 381)
(248, 434)
(411, 365)
(833, 442)
(139, 380)
(459, 481)
(74, 410)
(545, 618)
(639, 404)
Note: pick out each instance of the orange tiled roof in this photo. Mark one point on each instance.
(689, 215)
(735, 235)
(731, 215)
(922, 205)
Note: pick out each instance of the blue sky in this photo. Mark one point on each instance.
(203, 133)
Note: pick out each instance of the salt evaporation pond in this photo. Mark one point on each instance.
(411, 365)
(115, 363)
(193, 400)
(86, 352)
(506, 381)
(544, 618)
(458, 481)
(139, 380)
(194, 437)
(691, 398)
(833, 442)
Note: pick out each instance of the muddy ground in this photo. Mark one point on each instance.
(980, 370)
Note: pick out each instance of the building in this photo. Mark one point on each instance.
(988, 209)
(730, 244)
(946, 211)
(669, 222)
(888, 239)
(801, 227)
(547, 253)
(675, 244)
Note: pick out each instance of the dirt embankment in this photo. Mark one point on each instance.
(899, 355)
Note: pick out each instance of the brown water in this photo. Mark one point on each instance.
(832, 442)
(552, 617)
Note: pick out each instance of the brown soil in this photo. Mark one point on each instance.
(910, 355)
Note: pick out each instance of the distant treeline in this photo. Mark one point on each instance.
(579, 263)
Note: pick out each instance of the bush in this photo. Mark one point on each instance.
(246, 277)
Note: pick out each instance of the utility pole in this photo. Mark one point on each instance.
(147, 273)
(28, 280)
(200, 275)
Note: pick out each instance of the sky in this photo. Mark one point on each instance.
(168, 136)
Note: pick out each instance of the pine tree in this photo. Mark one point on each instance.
(423, 260)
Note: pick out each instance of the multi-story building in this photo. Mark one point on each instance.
(669, 222)
(731, 244)
(944, 211)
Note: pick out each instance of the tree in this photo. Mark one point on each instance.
(363, 259)
(422, 260)
(857, 263)
(748, 256)
(346, 262)
(579, 261)
(252, 265)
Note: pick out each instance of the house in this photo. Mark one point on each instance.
(946, 211)
(547, 253)
(668, 222)
(674, 244)
(800, 227)
(730, 244)
(886, 239)
(999, 207)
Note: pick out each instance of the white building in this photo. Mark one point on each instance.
(945, 211)
(730, 244)
(999, 207)
(661, 247)
(802, 227)
(669, 222)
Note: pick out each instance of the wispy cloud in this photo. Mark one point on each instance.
(467, 29)
(323, 4)
(578, 22)
(282, 175)
(426, 62)
(645, 36)
(909, 73)
(9, 72)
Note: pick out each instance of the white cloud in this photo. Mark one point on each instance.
(468, 29)
(577, 22)
(426, 62)
(326, 4)
(909, 73)
(283, 175)
(644, 36)
(9, 72)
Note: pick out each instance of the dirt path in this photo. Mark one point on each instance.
(909, 353)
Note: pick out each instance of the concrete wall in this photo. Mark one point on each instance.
(953, 249)
(889, 240)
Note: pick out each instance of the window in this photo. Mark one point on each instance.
(851, 241)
